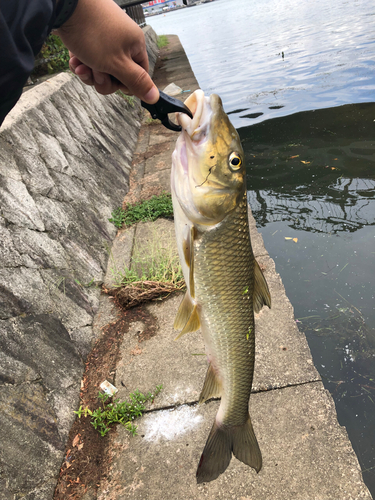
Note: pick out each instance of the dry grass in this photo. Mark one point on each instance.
(155, 272)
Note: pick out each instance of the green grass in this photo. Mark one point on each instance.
(154, 272)
(108, 414)
(159, 264)
(149, 210)
(128, 98)
(162, 41)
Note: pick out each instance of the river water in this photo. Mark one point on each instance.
(298, 79)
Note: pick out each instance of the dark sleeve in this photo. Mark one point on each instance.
(24, 25)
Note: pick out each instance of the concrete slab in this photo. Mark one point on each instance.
(179, 366)
(306, 454)
(120, 256)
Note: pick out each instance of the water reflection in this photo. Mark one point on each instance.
(313, 170)
(347, 205)
(311, 177)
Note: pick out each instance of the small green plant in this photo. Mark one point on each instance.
(158, 267)
(128, 98)
(151, 121)
(85, 285)
(149, 210)
(52, 58)
(110, 413)
(118, 217)
(162, 41)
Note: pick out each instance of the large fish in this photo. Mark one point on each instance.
(224, 282)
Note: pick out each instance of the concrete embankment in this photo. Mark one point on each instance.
(306, 454)
(65, 157)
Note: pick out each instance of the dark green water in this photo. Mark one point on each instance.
(311, 176)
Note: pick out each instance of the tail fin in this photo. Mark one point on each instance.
(221, 442)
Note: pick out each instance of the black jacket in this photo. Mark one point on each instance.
(24, 25)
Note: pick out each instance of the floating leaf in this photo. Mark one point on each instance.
(305, 162)
(295, 156)
(295, 240)
(288, 238)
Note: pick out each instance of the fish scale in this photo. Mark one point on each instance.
(226, 310)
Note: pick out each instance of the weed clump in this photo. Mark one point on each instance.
(52, 58)
(108, 414)
(148, 210)
(162, 41)
(151, 276)
(128, 98)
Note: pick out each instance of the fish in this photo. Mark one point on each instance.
(224, 283)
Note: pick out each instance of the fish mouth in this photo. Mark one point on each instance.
(196, 128)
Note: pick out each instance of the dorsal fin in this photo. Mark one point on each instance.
(261, 295)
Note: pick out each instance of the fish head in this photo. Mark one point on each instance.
(208, 170)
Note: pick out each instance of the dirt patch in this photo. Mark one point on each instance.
(86, 461)
(152, 151)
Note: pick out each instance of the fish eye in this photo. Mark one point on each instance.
(235, 161)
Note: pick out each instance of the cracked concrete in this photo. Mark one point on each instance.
(65, 158)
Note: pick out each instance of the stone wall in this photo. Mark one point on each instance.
(65, 156)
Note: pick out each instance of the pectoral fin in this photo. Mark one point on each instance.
(211, 386)
(261, 292)
(186, 244)
(184, 312)
(188, 250)
(191, 263)
(187, 317)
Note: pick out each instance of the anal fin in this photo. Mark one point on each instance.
(211, 386)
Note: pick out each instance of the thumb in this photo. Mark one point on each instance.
(139, 83)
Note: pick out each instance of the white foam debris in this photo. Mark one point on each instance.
(169, 424)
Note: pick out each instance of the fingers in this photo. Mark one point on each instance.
(101, 81)
(81, 70)
(133, 79)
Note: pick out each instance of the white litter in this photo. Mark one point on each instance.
(172, 89)
(108, 388)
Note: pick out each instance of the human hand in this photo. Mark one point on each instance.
(103, 41)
